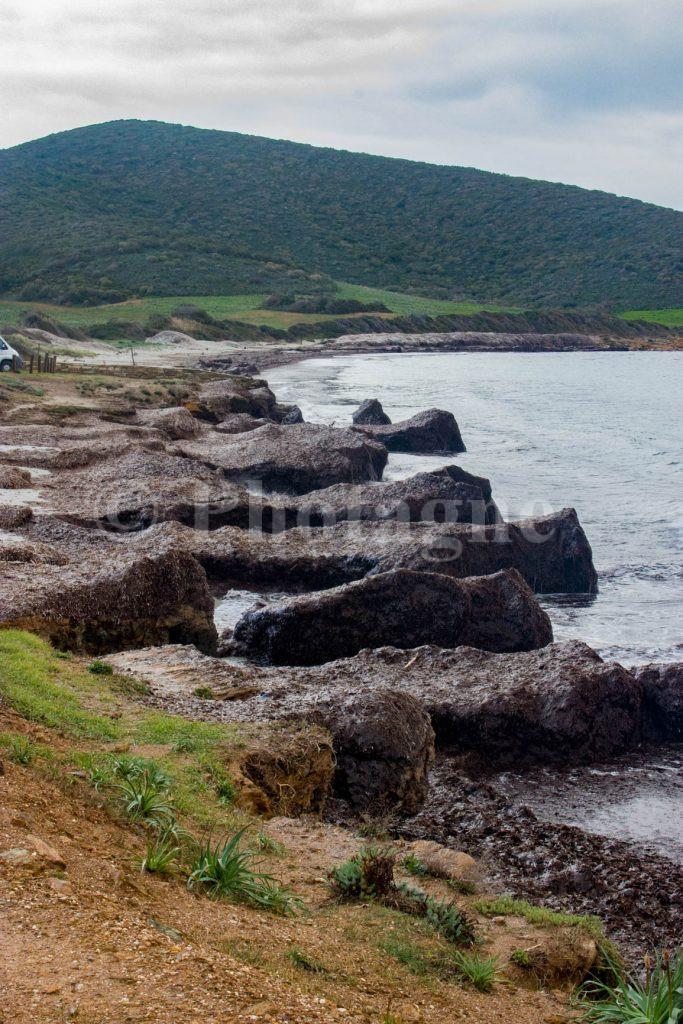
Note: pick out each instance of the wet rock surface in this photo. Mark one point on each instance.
(432, 432)
(636, 892)
(662, 701)
(401, 608)
(370, 413)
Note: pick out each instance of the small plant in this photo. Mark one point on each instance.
(462, 886)
(20, 749)
(521, 958)
(205, 692)
(414, 866)
(145, 802)
(269, 845)
(305, 962)
(369, 874)
(162, 853)
(100, 668)
(448, 920)
(100, 776)
(479, 972)
(658, 999)
(227, 870)
(185, 745)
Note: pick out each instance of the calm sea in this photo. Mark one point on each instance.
(599, 431)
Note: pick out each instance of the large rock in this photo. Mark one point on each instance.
(434, 432)
(370, 413)
(550, 552)
(112, 600)
(176, 422)
(383, 740)
(401, 608)
(444, 495)
(140, 487)
(559, 704)
(384, 744)
(222, 398)
(662, 701)
(294, 459)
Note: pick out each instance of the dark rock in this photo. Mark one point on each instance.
(401, 608)
(383, 740)
(239, 423)
(550, 552)
(370, 413)
(111, 601)
(560, 704)
(444, 495)
(384, 744)
(287, 414)
(12, 478)
(222, 398)
(293, 459)
(662, 701)
(434, 431)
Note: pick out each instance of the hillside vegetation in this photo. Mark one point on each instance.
(133, 208)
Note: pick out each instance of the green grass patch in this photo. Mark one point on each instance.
(46, 689)
(246, 307)
(667, 317)
(508, 906)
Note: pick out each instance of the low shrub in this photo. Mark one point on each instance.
(162, 853)
(100, 668)
(369, 874)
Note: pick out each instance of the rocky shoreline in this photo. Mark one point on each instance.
(414, 639)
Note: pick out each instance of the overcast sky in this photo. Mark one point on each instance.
(582, 91)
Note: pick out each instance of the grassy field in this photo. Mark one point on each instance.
(235, 307)
(668, 317)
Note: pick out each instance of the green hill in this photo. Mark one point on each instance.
(133, 208)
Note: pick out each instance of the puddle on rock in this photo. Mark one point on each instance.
(231, 607)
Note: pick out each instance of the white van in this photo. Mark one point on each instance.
(7, 354)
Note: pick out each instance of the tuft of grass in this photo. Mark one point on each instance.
(162, 854)
(305, 962)
(656, 999)
(269, 845)
(462, 885)
(409, 955)
(100, 668)
(507, 905)
(369, 874)
(482, 973)
(227, 871)
(19, 749)
(205, 692)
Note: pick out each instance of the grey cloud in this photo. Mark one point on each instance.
(570, 90)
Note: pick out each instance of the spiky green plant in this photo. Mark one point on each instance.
(145, 802)
(657, 999)
(228, 870)
(482, 973)
(162, 854)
